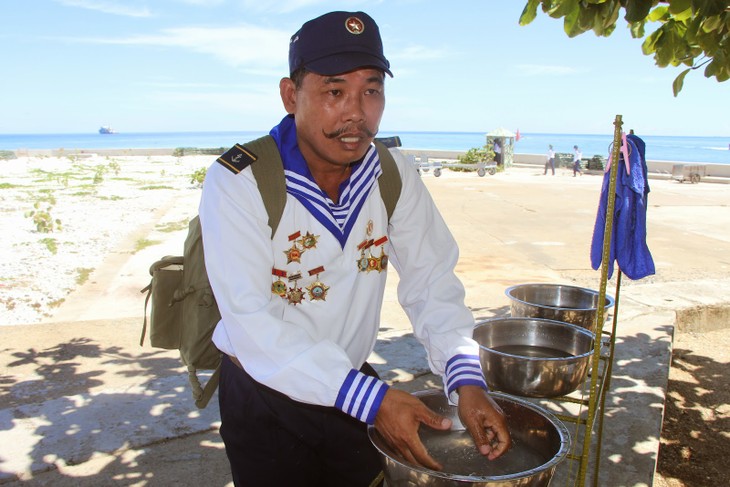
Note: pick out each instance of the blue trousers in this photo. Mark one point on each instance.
(272, 440)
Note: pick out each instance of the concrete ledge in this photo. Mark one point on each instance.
(702, 318)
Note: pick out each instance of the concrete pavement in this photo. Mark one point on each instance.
(84, 404)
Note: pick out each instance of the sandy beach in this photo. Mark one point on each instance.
(98, 206)
(117, 214)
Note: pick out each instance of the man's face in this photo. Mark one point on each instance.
(337, 116)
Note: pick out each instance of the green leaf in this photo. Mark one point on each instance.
(637, 30)
(679, 6)
(678, 82)
(637, 10)
(708, 8)
(529, 12)
(664, 49)
(712, 23)
(683, 16)
(563, 8)
(659, 13)
(570, 24)
(649, 45)
(610, 15)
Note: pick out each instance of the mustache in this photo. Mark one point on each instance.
(348, 129)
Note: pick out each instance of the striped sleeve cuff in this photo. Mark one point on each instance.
(464, 370)
(361, 395)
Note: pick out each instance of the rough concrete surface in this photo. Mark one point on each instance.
(83, 404)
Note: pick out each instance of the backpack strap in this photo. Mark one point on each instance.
(270, 179)
(390, 182)
(202, 394)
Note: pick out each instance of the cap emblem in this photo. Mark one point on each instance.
(354, 25)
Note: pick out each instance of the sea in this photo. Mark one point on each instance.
(658, 148)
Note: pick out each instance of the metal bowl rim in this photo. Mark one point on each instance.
(608, 303)
(577, 328)
(551, 463)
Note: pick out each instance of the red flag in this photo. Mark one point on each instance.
(517, 136)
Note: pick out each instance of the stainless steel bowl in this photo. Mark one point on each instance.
(539, 443)
(533, 357)
(559, 302)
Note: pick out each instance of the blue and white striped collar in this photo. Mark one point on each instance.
(339, 217)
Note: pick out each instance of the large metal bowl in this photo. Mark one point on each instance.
(539, 443)
(533, 357)
(559, 302)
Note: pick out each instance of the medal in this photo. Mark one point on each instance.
(383, 259)
(362, 264)
(295, 295)
(309, 241)
(294, 254)
(317, 290)
(278, 287)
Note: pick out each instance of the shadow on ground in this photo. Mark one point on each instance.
(695, 437)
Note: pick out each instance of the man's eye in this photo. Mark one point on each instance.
(335, 92)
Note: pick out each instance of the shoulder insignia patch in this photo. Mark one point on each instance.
(237, 158)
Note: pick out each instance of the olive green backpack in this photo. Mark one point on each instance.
(183, 311)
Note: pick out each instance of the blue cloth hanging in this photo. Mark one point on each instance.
(628, 239)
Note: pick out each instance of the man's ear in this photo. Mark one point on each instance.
(288, 92)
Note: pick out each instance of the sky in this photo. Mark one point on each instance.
(70, 66)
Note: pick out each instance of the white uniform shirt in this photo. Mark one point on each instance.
(312, 351)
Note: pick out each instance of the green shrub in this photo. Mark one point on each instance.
(198, 176)
(42, 219)
(195, 151)
(6, 155)
(597, 163)
(474, 155)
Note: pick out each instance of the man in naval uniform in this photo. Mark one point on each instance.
(301, 310)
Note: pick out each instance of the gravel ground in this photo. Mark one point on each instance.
(92, 204)
(696, 430)
(99, 201)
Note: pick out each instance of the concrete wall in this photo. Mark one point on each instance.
(655, 167)
(89, 152)
(660, 167)
(713, 171)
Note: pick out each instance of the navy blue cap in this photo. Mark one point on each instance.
(336, 43)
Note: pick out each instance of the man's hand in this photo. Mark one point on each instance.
(484, 420)
(398, 420)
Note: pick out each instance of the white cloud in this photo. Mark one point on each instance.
(281, 6)
(545, 70)
(203, 3)
(254, 48)
(109, 7)
(417, 53)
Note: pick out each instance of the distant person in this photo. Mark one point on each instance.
(497, 152)
(577, 156)
(550, 160)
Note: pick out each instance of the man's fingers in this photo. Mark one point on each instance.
(435, 421)
(423, 458)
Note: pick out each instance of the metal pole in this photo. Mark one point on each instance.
(607, 379)
(610, 208)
